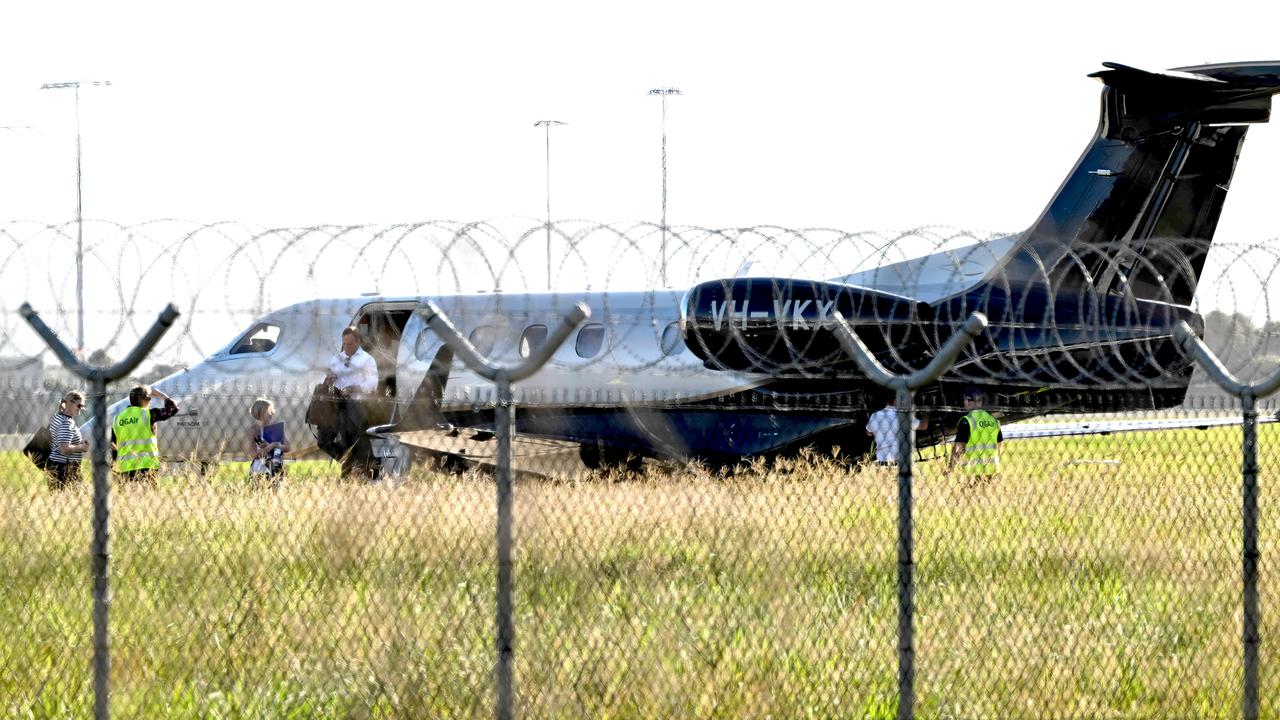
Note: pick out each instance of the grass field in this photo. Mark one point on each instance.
(1098, 577)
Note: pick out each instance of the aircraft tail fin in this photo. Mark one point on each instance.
(1137, 214)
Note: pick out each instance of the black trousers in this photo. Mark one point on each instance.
(144, 475)
(347, 442)
(63, 475)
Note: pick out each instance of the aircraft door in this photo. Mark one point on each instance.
(382, 327)
(425, 364)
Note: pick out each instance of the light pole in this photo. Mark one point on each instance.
(75, 85)
(663, 93)
(546, 125)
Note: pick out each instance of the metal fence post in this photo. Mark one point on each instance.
(904, 386)
(101, 547)
(504, 428)
(1249, 555)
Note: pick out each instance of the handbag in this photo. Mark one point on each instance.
(39, 447)
(323, 410)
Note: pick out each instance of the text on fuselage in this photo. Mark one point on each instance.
(786, 312)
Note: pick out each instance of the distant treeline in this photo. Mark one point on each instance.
(1248, 351)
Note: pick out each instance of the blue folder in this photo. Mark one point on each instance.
(273, 433)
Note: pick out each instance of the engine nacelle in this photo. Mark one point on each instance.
(782, 325)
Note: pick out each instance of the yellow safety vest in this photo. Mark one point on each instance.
(980, 453)
(136, 447)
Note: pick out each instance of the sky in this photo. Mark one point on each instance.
(801, 114)
(862, 117)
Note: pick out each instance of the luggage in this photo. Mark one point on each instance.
(323, 410)
(39, 447)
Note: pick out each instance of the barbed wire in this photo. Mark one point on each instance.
(223, 275)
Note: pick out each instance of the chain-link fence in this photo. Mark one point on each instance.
(701, 522)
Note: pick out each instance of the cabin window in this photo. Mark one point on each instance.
(590, 340)
(425, 343)
(532, 339)
(261, 338)
(672, 343)
(484, 338)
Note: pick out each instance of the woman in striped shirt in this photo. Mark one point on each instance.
(68, 446)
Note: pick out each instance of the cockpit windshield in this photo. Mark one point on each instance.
(261, 338)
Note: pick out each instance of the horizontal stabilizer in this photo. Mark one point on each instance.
(1023, 431)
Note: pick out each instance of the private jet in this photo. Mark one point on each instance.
(1081, 307)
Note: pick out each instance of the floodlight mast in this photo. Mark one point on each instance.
(75, 85)
(546, 125)
(664, 93)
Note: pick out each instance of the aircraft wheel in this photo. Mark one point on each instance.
(447, 463)
(598, 457)
(397, 462)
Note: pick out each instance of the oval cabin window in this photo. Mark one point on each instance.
(532, 338)
(484, 338)
(590, 340)
(672, 342)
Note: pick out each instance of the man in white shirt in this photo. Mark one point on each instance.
(354, 373)
(352, 370)
(883, 426)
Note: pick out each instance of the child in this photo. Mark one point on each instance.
(268, 456)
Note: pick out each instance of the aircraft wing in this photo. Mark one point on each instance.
(474, 444)
(1026, 430)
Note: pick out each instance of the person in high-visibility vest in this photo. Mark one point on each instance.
(133, 434)
(978, 439)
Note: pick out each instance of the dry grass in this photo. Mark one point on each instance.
(1068, 588)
